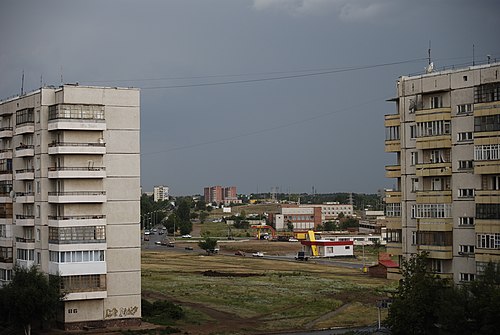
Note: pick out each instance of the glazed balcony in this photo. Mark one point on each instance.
(26, 150)
(77, 197)
(25, 220)
(76, 117)
(77, 172)
(77, 220)
(25, 174)
(68, 148)
(6, 154)
(434, 197)
(25, 197)
(6, 132)
(393, 171)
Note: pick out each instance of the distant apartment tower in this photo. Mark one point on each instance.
(70, 197)
(219, 194)
(160, 193)
(446, 140)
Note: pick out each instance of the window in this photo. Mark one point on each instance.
(84, 283)
(26, 254)
(488, 241)
(466, 221)
(488, 211)
(77, 256)
(392, 133)
(3, 231)
(413, 237)
(465, 136)
(466, 249)
(487, 123)
(467, 276)
(79, 234)
(464, 109)
(466, 193)
(436, 265)
(487, 93)
(393, 210)
(414, 184)
(420, 211)
(465, 165)
(433, 128)
(414, 157)
(24, 116)
(413, 131)
(436, 102)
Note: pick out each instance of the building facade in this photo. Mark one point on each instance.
(445, 137)
(221, 195)
(160, 193)
(331, 210)
(301, 217)
(70, 197)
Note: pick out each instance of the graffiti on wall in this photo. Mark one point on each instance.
(120, 312)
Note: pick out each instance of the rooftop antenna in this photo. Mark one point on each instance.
(489, 58)
(41, 81)
(62, 76)
(430, 67)
(473, 55)
(429, 53)
(22, 83)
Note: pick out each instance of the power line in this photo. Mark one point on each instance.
(285, 125)
(289, 75)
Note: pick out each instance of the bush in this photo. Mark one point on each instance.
(161, 312)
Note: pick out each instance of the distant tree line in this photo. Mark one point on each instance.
(427, 304)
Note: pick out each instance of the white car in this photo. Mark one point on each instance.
(186, 236)
(258, 254)
(146, 232)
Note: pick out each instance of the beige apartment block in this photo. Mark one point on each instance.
(70, 197)
(446, 141)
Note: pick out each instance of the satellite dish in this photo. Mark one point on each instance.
(12, 194)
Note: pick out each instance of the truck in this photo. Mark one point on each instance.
(301, 256)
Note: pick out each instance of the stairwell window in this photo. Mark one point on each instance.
(464, 109)
(465, 136)
(466, 249)
(465, 277)
(466, 221)
(466, 193)
(465, 165)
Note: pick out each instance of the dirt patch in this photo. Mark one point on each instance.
(211, 273)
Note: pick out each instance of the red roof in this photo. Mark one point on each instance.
(388, 263)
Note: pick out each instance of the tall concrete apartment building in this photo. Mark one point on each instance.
(446, 139)
(160, 193)
(219, 194)
(70, 197)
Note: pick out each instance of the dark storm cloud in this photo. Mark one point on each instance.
(324, 131)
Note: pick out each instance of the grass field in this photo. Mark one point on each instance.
(258, 295)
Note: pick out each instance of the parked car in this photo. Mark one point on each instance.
(188, 248)
(186, 236)
(292, 239)
(158, 242)
(258, 254)
(240, 253)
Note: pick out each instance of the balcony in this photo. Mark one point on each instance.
(5, 132)
(435, 225)
(25, 174)
(25, 128)
(5, 197)
(393, 146)
(487, 167)
(394, 248)
(487, 196)
(393, 171)
(434, 142)
(25, 150)
(393, 222)
(25, 197)
(77, 124)
(24, 263)
(433, 169)
(438, 252)
(6, 154)
(25, 220)
(5, 175)
(77, 268)
(433, 114)
(25, 243)
(434, 197)
(77, 220)
(77, 172)
(77, 197)
(5, 220)
(392, 197)
(68, 148)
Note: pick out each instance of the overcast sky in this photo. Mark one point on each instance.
(279, 113)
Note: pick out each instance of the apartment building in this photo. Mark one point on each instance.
(301, 217)
(219, 194)
(445, 138)
(331, 210)
(160, 193)
(70, 197)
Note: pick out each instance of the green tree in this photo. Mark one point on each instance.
(184, 210)
(185, 227)
(289, 226)
(329, 226)
(414, 308)
(349, 222)
(208, 244)
(203, 216)
(172, 223)
(31, 298)
(200, 205)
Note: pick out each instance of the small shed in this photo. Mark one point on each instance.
(380, 270)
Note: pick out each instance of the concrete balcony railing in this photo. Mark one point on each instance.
(434, 142)
(26, 150)
(76, 124)
(77, 197)
(77, 172)
(63, 148)
(392, 197)
(5, 197)
(5, 132)
(392, 145)
(393, 171)
(25, 174)
(487, 167)
(434, 197)
(437, 251)
(433, 169)
(25, 128)
(6, 154)
(487, 196)
(77, 220)
(25, 220)
(25, 197)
